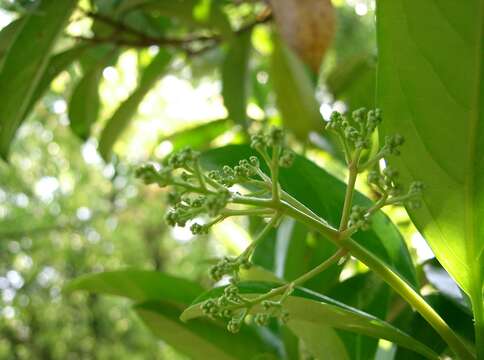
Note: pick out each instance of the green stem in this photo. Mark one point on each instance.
(248, 251)
(286, 288)
(333, 259)
(350, 189)
(411, 296)
(390, 277)
(275, 173)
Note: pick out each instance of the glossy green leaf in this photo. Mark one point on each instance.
(295, 93)
(25, 63)
(201, 339)
(308, 306)
(198, 136)
(125, 112)
(235, 78)
(431, 90)
(138, 285)
(324, 194)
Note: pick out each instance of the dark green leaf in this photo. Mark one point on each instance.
(304, 305)
(25, 63)
(125, 112)
(235, 78)
(435, 98)
(138, 285)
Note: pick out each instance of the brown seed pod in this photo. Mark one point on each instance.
(307, 26)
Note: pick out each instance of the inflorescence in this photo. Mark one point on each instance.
(200, 199)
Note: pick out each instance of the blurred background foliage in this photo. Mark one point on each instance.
(133, 82)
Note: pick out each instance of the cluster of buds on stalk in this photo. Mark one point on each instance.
(200, 199)
(356, 133)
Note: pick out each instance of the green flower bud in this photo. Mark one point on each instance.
(231, 291)
(287, 158)
(275, 136)
(234, 326)
(254, 161)
(198, 229)
(374, 177)
(359, 218)
(392, 144)
(358, 115)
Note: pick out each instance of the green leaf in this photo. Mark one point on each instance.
(415, 325)
(201, 339)
(57, 63)
(25, 63)
(295, 93)
(321, 341)
(440, 279)
(235, 78)
(324, 194)
(85, 102)
(308, 306)
(138, 285)
(7, 37)
(198, 136)
(354, 81)
(206, 13)
(292, 250)
(125, 112)
(430, 88)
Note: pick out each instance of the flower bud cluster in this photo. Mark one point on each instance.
(239, 174)
(273, 138)
(357, 130)
(386, 183)
(359, 218)
(232, 308)
(229, 266)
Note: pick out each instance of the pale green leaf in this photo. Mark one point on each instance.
(431, 90)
